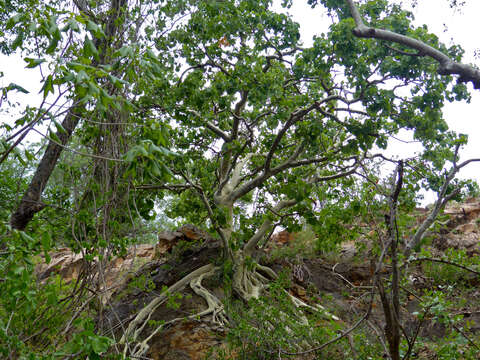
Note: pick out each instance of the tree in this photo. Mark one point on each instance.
(257, 119)
(259, 128)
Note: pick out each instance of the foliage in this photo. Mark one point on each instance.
(448, 273)
(215, 111)
(31, 312)
(270, 326)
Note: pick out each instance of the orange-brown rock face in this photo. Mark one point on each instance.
(463, 227)
(184, 341)
(282, 238)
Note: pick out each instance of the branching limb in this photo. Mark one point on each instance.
(347, 171)
(239, 106)
(216, 130)
(440, 203)
(253, 241)
(391, 303)
(176, 188)
(447, 66)
(446, 262)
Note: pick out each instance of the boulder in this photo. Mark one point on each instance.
(188, 232)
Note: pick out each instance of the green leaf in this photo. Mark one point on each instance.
(18, 41)
(17, 270)
(116, 81)
(59, 127)
(48, 86)
(72, 24)
(52, 46)
(18, 155)
(89, 48)
(130, 155)
(46, 244)
(95, 29)
(124, 51)
(25, 237)
(13, 21)
(33, 62)
(82, 76)
(29, 155)
(13, 86)
(100, 344)
(155, 169)
(76, 66)
(54, 137)
(93, 88)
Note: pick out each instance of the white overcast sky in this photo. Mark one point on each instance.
(452, 27)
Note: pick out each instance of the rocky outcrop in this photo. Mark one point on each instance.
(63, 262)
(188, 233)
(69, 264)
(189, 340)
(461, 230)
(155, 275)
(282, 238)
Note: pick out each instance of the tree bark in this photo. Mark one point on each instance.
(31, 202)
(447, 66)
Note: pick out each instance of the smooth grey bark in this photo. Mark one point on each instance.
(447, 66)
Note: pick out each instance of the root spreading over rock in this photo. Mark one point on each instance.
(248, 282)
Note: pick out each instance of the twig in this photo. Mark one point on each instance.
(445, 262)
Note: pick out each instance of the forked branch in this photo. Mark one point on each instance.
(447, 66)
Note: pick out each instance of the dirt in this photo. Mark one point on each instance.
(342, 284)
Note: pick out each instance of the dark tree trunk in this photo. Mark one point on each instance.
(31, 202)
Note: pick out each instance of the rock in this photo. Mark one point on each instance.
(169, 236)
(466, 228)
(282, 238)
(468, 241)
(166, 241)
(129, 299)
(188, 232)
(68, 265)
(63, 262)
(193, 233)
(469, 210)
(186, 340)
(348, 250)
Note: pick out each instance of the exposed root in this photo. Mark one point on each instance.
(215, 307)
(314, 308)
(138, 324)
(248, 283)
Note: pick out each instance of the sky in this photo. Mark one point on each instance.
(451, 26)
